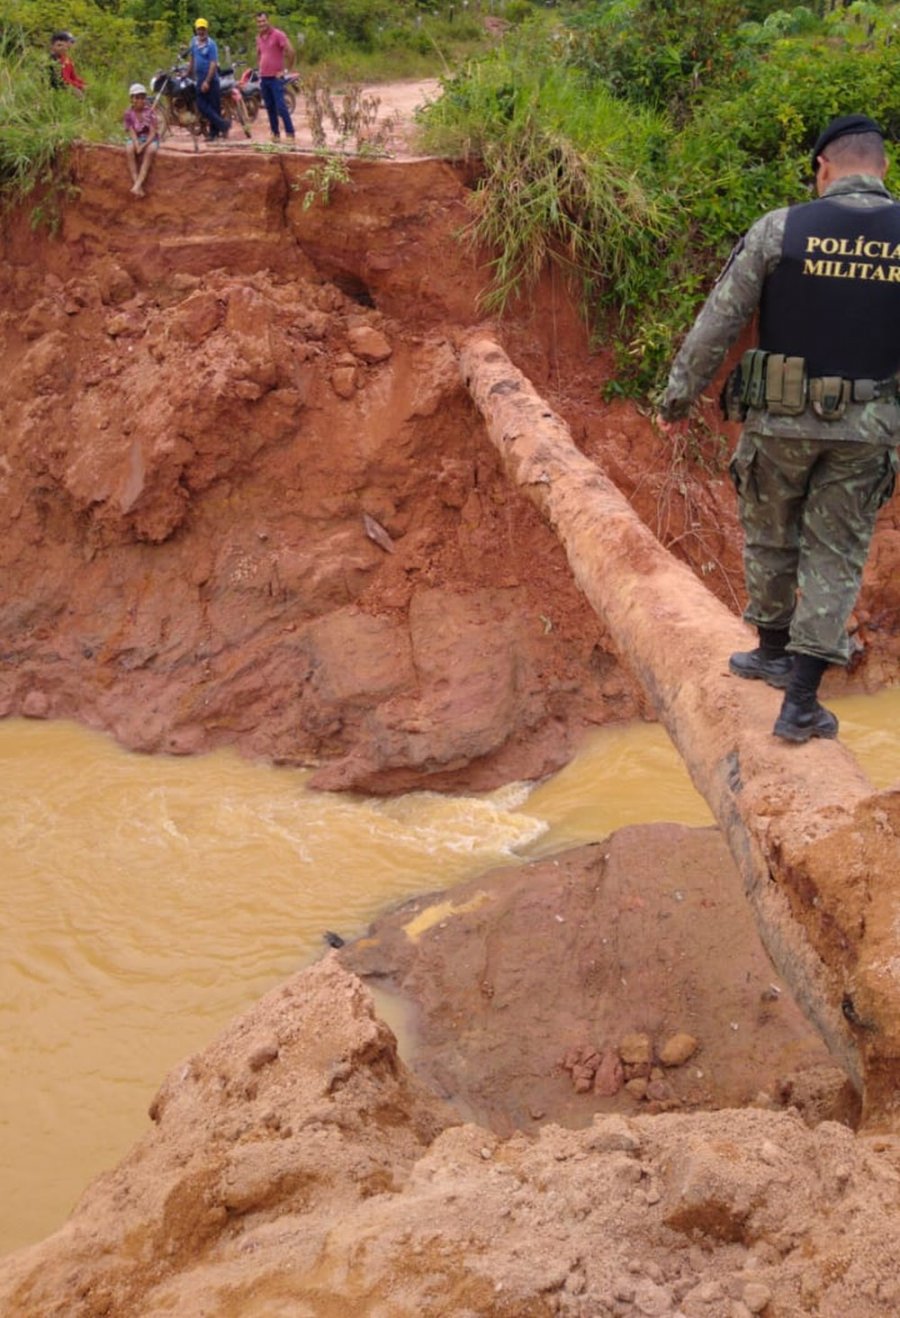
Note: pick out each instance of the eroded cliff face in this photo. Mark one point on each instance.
(248, 498)
(249, 502)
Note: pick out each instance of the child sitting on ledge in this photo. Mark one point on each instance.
(142, 128)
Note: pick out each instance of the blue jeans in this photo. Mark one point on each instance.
(209, 104)
(273, 99)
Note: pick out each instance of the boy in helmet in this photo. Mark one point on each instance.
(142, 127)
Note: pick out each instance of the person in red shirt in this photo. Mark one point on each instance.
(62, 69)
(274, 53)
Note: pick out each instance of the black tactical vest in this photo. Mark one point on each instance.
(834, 297)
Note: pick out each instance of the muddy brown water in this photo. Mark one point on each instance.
(148, 900)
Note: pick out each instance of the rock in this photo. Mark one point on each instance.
(651, 1299)
(262, 1054)
(120, 323)
(197, 316)
(635, 1049)
(314, 324)
(709, 1292)
(623, 1289)
(36, 705)
(370, 345)
(183, 282)
(677, 1049)
(612, 1134)
(609, 1076)
(114, 282)
(343, 381)
(756, 1295)
(710, 1190)
(41, 318)
(378, 535)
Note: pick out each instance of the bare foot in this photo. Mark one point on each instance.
(137, 191)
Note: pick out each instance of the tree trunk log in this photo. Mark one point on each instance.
(818, 850)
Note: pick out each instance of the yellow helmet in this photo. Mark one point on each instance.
(200, 22)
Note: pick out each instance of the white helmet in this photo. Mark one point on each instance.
(137, 89)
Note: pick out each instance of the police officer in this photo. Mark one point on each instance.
(816, 457)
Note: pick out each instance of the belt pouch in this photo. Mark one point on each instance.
(785, 385)
(753, 377)
(774, 381)
(828, 396)
(793, 397)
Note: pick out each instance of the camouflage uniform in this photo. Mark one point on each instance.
(808, 488)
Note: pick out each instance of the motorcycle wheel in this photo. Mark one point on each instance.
(165, 120)
(185, 115)
(234, 110)
(290, 100)
(252, 105)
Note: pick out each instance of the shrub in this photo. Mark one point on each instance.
(581, 171)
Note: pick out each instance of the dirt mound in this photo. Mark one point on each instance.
(296, 1168)
(618, 978)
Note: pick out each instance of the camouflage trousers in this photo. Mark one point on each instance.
(808, 509)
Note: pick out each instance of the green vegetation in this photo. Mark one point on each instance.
(563, 170)
(633, 141)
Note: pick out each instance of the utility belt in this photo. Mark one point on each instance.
(780, 385)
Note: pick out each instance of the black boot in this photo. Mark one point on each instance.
(802, 717)
(769, 661)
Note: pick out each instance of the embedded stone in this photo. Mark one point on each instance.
(677, 1049)
(369, 344)
(343, 381)
(635, 1049)
(262, 1055)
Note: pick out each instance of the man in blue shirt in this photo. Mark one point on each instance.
(203, 67)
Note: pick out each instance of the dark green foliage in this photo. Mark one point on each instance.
(717, 105)
(655, 52)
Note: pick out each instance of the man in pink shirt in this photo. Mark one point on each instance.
(274, 54)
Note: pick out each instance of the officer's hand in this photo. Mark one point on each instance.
(672, 429)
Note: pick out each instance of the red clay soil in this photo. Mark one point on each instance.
(531, 984)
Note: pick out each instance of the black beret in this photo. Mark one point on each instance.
(843, 126)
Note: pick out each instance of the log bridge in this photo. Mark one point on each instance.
(817, 847)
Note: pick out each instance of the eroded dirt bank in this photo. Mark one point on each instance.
(249, 501)
(296, 1168)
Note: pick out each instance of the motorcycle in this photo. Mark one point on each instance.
(251, 91)
(175, 101)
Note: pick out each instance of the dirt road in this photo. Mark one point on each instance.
(393, 104)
